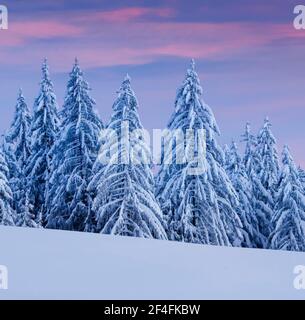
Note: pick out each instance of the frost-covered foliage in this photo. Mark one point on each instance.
(13, 168)
(7, 214)
(18, 135)
(125, 203)
(302, 177)
(250, 159)
(198, 206)
(266, 149)
(73, 156)
(252, 164)
(44, 130)
(243, 186)
(17, 151)
(265, 178)
(62, 170)
(288, 233)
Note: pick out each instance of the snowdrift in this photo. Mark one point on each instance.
(47, 264)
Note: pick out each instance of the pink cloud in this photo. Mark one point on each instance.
(120, 37)
(124, 15)
(46, 29)
(21, 32)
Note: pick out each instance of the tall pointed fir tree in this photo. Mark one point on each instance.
(266, 177)
(266, 148)
(125, 203)
(302, 176)
(17, 152)
(227, 154)
(250, 159)
(13, 174)
(242, 184)
(252, 163)
(198, 204)
(44, 130)
(288, 233)
(73, 155)
(7, 214)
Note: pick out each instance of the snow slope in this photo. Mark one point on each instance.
(58, 264)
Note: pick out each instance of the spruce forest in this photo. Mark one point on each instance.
(51, 175)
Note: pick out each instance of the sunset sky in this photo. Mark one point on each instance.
(250, 59)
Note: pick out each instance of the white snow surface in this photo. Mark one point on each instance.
(52, 264)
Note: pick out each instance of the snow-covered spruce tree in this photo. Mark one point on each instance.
(242, 184)
(252, 165)
(73, 155)
(227, 153)
(288, 233)
(302, 177)
(17, 152)
(125, 203)
(44, 130)
(266, 177)
(7, 214)
(266, 148)
(13, 168)
(198, 204)
(18, 134)
(250, 160)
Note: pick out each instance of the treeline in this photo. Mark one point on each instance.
(52, 176)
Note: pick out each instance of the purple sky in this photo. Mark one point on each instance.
(250, 59)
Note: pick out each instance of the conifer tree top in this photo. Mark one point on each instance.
(125, 107)
(127, 78)
(76, 67)
(21, 104)
(78, 102)
(20, 93)
(45, 67)
(248, 129)
(288, 160)
(45, 74)
(46, 85)
(192, 76)
(126, 85)
(267, 123)
(286, 155)
(234, 150)
(267, 146)
(289, 173)
(193, 64)
(267, 128)
(22, 110)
